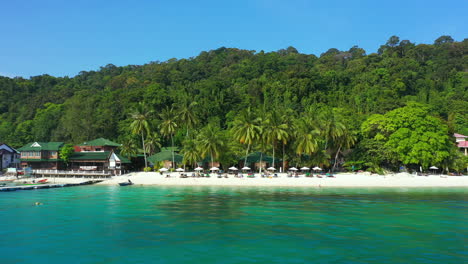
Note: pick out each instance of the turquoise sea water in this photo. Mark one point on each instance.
(135, 224)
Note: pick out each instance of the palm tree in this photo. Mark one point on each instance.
(246, 129)
(168, 126)
(275, 130)
(128, 148)
(140, 124)
(330, 127)
(306, 138)
(346, 140)
(287, 118)
(211, 141)
(191, 152)
(153, 142)
(187, 115)
(262, 119)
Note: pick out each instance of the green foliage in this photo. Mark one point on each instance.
(408, 135)
(321, 103)
(211, 141)
(65, 152)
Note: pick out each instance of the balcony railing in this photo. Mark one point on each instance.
(72, 172)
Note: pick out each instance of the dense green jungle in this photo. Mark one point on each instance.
(341, 110)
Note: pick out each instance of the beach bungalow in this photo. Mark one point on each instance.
(462, 142)
(98, 155)
(259, 159)
(9, 157)
(165, 156)
(41, 155)
(207, 164)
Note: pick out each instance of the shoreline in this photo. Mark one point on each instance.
(345, 180)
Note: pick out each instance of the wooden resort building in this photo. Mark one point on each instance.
(9, 157)
(41, 155)
(98, 155)
(462, 142)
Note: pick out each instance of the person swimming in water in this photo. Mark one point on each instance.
(38, 203)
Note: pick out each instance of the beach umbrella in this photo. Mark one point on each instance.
(271, 168)
(246, 168)
(293, 169)
(305, 168)
(180, 170)
(198, 169)
(214, 169)
(163, 169)
(317, 168)
(233, 168)
(433, 168)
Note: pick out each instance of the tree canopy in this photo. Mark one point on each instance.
(397, 106)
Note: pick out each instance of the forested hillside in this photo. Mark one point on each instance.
(397, 106)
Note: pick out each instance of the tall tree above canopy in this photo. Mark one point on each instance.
(140, 125)
(276, 130)
(246, 129)
(187, 115)
(306, 137)
(168, 126)
(411, 135)
(211, 141)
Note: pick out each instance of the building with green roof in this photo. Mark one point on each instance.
(99, 144)
(98, 161)
(165, 156)
(98, 154)
(41, 155)
(259, 159)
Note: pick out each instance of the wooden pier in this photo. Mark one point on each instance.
(45, 186)
(72, 174)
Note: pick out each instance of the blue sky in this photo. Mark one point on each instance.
(62, 38)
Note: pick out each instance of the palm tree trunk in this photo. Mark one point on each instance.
(261, 162)
(336, 157)
(212, 162)
(273, 155)
(173, 162)
(144, 149)
(284, 161)
(246, 154)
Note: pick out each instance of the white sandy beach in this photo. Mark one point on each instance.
(340, 180)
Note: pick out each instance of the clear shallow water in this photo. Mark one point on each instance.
(107, 224)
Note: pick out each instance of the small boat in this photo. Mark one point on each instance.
(7, 179)
(125, 183)
(42, 181)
